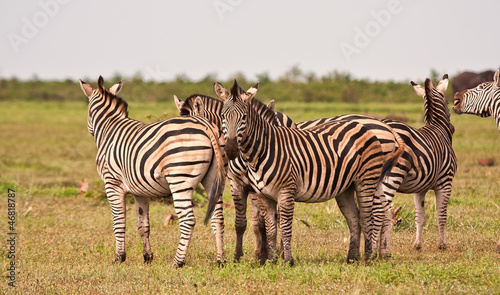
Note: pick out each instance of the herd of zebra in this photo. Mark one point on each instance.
(358, 160)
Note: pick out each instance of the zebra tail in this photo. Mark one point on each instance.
(220, 179)
(394, 157)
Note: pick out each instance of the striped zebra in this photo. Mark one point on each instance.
(155, 160)
(429, 162)
(211, 108)
(314, 165)
(483, 101)
(203, 105)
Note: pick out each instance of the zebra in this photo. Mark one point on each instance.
(483, 101)
(211, 108)
(155, 160)
(202, 105)
(287, 165)
(429, 161)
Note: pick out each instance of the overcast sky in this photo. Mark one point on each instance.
(379, 40)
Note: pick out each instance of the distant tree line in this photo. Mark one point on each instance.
(293, 85)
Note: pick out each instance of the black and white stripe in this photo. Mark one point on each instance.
(155, 160)
(313, 165)
(429, 161)
(206, 106)
(483, 101)
(211, 108)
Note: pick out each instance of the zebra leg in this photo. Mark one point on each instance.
(371, 217)
(385, 235)
(259, 229)
(498, 246)
(240, 220)
(142, 210)
(419, 200)
(217, 223)
(268, 212)
(183, 203)
(116, 198)
(442, 197)
(286, 204)
(349, 209)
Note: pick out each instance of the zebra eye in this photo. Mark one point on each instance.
(244, 117)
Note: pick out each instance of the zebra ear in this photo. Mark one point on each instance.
(496, 79)
(220, 91)
(271, 105)
(87, 89)
(116, 88)
(100, 85)
(247, 96)
(178, 103)
(418, 89)
(443, 84)
(198, 106)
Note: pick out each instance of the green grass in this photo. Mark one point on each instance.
(66, 245)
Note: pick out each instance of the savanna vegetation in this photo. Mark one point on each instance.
(65, 242)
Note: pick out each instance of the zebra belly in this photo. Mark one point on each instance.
(157, 188)
(322, 192)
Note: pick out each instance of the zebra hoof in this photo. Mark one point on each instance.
(442, 247)
(351, 260)
(148, 258)
(417, 246)
(179, 264)
(119, 258)
(385, 255)
(237, 257)
(221, 263)
(290, 262)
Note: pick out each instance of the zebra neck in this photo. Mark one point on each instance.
(108, 127)
(495, 108)
(257, 136)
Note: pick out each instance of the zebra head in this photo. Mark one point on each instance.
(234, 115)
(102, 101)
(190, 107)
(281, 118)
(479, 100)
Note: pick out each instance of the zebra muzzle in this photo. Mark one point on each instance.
(231, 148)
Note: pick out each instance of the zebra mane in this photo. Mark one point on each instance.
(266, 113)
(207, 100)
(236, 90)
(121, 104)
(436, 111)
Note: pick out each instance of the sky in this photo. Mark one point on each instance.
(383, 40)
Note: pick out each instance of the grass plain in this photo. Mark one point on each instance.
(65, 242)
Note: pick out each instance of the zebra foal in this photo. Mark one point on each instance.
(155, 160)
(483, 101)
